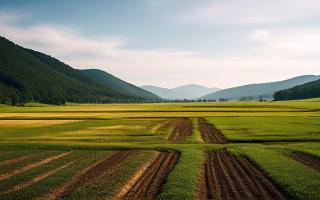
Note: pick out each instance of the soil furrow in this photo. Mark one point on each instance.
(16, 160)
(33, 165)
(149, 183)
(23, 185)
(182, 129)
(236, 178)
(89, 174)
(209, 133)
(308, 160)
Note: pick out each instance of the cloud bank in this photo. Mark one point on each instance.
(171, 67)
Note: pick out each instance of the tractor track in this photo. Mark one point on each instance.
(20, 159)
(209, 133)
(224, 176)
(148, 181)
(89, 174)
(182, 129)
(308, 160)
(33, 165)
(39, 178)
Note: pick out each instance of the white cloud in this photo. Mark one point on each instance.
(260, 34)
(161, 67)
(251, 11)
(290, 42)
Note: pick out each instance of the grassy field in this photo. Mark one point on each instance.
(43, 147)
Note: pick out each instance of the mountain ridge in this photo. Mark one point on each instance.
(265, 90)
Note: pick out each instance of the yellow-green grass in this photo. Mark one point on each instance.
(138, 127)
(83, 159)
(264, 129)
(299, 180)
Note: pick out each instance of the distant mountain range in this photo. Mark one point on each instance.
(190, 91)
(264, 90)
(27, 75)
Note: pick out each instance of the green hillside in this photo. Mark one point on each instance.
(305, 91)
(26, 75)
(264, 90)
(119, 84)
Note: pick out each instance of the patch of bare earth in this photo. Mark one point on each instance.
(89, 174)
(33, 165)
(308, 160)
(209, 133)
(225, 176)
(148, 181)
(182, 129)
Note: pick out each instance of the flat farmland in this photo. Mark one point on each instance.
(227, 150)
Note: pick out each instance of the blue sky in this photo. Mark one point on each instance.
(168, 43)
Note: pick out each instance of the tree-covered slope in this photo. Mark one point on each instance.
(262, 89)
(26, 75)
(119, 84)
(305, 91)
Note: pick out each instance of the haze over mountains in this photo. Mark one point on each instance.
(190, 91)
(262, 90)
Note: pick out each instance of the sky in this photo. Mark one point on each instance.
(169, 43)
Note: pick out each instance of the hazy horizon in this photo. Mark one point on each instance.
(170, 43)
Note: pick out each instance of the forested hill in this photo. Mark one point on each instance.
(119, 84)
(262, 90)
(305, 91)
(26, 75)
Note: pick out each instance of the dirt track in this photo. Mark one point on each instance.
(308, 160)
(209, 133)
(89, 174)
(225, 176)
(182, 129)
(17, 160)
(33, 165)
(149, 182)
(32, 181)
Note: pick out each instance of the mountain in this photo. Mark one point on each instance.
(119, 84)
(27, 75)
(168, 93)
(262, 90)
(305, 91)
(197, 90)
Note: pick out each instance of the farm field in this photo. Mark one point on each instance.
(220, 150)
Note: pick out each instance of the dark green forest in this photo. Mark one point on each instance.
(30, 76)
(119, 84)
(305, 91)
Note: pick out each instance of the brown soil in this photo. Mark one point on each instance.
(89, 174)
(147, 183)
(182, 129)
(33, 165)
(30, 182)
(225, 176)
(209, 133)
(308, 160)
(17, 160)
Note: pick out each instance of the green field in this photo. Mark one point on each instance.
(264, 132)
